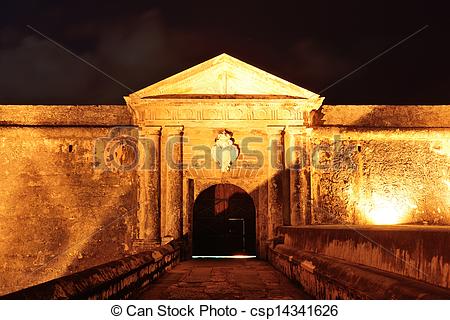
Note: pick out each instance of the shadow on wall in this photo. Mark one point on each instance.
(31, 239)
(61, 216)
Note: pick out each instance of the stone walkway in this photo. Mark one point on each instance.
(223, 279)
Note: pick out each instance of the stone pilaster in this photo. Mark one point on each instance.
(149, 173)
(174, 183)
(306, 174)
(275, 179)
(295, 155)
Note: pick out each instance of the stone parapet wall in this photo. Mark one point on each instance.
(118, 279)
(325, 277)
(64, 115)
(388, 116)
(415, 252)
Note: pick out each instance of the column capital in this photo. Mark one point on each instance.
(295, 130)
(276, 130)
(174, 130)
(150, 130)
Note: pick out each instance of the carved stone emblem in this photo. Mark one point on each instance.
(224, 151)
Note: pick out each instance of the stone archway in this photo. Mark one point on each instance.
(224, 218)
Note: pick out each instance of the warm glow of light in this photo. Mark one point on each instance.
(384, 208)
(441, 147)
(447, 183)
(385, 211)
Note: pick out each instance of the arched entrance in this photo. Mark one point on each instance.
(224, 222)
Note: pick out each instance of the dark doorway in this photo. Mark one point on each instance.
(224, 222)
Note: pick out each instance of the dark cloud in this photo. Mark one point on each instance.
(40, 72)
(35, 71)
(308, 43)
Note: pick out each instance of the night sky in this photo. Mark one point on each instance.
(309, 43)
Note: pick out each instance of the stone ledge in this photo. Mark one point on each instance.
(389, 116)
(64, 115)
(114, 280)
(330, 278)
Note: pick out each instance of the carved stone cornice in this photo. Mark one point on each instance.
(149, 111)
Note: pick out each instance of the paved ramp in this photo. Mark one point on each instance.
(223, 279)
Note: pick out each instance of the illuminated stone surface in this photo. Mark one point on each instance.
(223, 279)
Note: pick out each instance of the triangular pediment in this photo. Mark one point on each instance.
(224, 75)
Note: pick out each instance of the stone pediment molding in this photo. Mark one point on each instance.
(223, 89)
(224, 75)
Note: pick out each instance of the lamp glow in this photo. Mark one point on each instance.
(382, 208)
(385, 211)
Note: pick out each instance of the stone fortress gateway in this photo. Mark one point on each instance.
(234, 153)
(221, 97)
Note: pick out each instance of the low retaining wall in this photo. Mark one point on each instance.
(343, 262)
(417, 252)
(114, 280)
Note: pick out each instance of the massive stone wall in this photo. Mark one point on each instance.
(370, 165)
(381, 165)
(58, 214)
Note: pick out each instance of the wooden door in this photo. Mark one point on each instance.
(224, 222)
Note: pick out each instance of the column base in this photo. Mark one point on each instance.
(166, 239)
